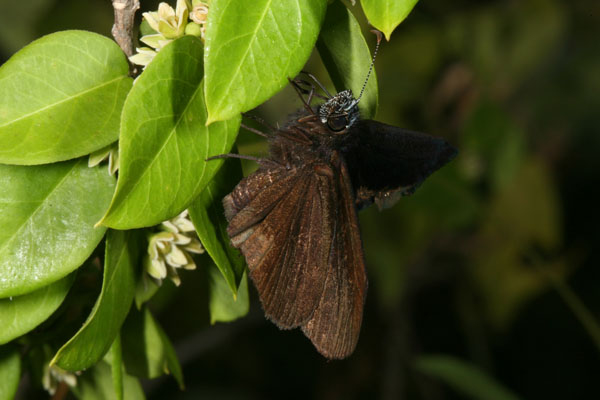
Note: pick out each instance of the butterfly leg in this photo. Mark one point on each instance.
(256, 131)
(260, 121)
(240, 156)
(308, 88)
(258, 160)
(301, 93)
(311, 76)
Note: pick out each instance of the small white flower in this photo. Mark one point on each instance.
(143, 57)
(110, 152)
(168, 22)
(156, 41)
(53, 375)
(152, 19)
(156, 268)
(170, 249)
(176, 257)
(183, 223)
(199, 13)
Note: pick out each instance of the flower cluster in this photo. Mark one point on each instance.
(186, 19)
(170, 248)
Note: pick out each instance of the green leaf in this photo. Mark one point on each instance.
(444, 202)
(164, 141)
(97, 334)
(147, 352)
(493, 141)
(173, 365)
(61, 97)
(522, 220)
(208, 217)
(465, 378)
(19, 315)
(224, 306)
(252, 47)
(347, 58)
(145, 289)
(47, 216)
(227, 302)
(10, 371)
(528, 209)
(97, 384)
(386, 15)
(116, 365)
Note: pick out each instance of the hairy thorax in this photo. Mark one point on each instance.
(305, 141)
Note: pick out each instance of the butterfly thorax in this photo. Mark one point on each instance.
(305, 141)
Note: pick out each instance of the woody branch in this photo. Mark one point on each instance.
(122, 29)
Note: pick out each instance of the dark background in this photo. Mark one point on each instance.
(493, 261)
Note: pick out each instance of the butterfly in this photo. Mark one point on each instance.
(295, 218)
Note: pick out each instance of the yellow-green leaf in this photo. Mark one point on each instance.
(164, 140)
(386, 15)
(61, 97)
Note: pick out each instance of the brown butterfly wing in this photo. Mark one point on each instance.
(264, 190)
(280, 220)
(335, 325)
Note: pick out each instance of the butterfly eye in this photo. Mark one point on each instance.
(337, 123)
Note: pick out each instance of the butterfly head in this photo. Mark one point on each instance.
(339, 112)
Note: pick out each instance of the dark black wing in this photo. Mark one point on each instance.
(335, 326)
(386, 162)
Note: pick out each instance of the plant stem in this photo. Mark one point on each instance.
(582, 313)
(122, 29)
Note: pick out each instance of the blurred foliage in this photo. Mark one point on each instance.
(466, 265)
(467, 379)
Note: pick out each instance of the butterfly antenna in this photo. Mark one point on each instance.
(376, 32)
